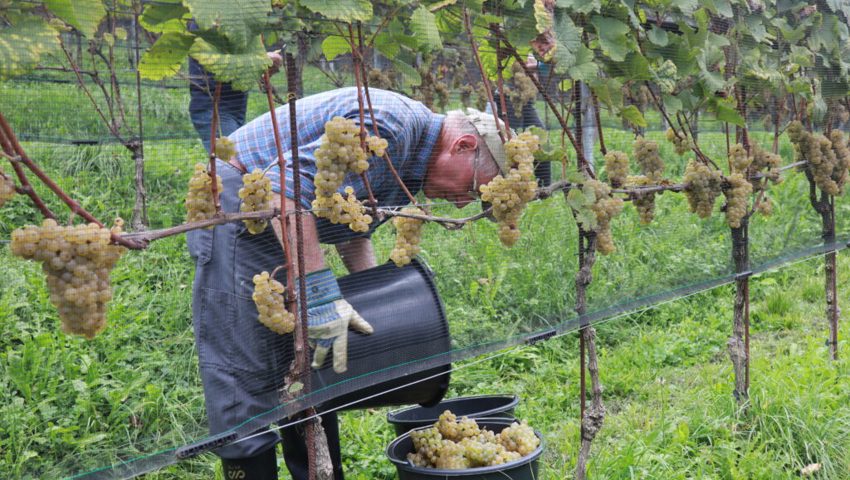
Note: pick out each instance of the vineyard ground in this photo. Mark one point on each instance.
(67, 405)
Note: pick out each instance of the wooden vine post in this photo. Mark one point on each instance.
(319, 463)
(738, 344)
(824, 205)
(592, 417)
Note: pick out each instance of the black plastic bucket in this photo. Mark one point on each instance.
(523, 469)
(478, 406)
(411, 342)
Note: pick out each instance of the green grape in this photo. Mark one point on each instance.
(647, 157)
(766, 163)
(77, 261)
(617, 167)
(738, 158)
(7, 188)
(643, 202)
(451, 457)
(605, 208)
(199, 200)
(702, 187)
(509, 193)
(682, 145)
(765, 206)
(268, 297)
(524, 90)
(737, 195)
(408, 236)
(460, 444)
(225, 149)
(345, 210)
(519, 438)
(826, 162)
(256, 194)
(479, 454)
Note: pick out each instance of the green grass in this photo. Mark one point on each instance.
(68, 406)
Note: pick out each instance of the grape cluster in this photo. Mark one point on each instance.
(643, 202)
(524, 90)
(268, 296)
(605, 207)
(408, 236)
(199, 201)
(7, 188)
(225, 149)
(510, 193)
(617, 166)
(386, 79)
(765, 206)
(665, 76)
(827, 162)
(766, 163)
(520, 438)
(454, 444)
(341, 152)
(646, 154)
(737, 192)
(702, 187)
(682, 144)
(738, 158)
(346, 210)
(256, 195)
(77, 261)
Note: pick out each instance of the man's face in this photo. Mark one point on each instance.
(458, 172)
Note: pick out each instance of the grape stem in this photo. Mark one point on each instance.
(371, 110)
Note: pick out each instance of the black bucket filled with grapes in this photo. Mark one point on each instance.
(479, 449)
(476, 406)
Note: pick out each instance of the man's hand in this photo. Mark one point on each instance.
(328, 319)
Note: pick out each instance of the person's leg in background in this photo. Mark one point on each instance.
(232, 105)
(530, 118)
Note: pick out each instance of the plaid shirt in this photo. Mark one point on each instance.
(408, 126)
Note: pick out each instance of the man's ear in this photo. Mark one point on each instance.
(465, 143)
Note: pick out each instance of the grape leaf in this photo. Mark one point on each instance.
(240, 20)
(163, 17)
(240, 67)
(407, 71)
(165, 57)
(334, 45)
(22, 46)
(567, 42)
(585, 69)
(633, 116)
(424, 27)
(344, 10)
(612, 36)
(657, 36)
(84, 15)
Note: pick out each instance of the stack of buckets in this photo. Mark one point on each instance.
(493, 412)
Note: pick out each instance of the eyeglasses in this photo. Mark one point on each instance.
(474, 193)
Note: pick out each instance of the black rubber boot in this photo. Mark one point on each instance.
(258, 467)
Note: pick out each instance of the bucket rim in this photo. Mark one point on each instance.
(408, 467)
(393, 416)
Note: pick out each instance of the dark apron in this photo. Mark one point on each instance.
(242, 363)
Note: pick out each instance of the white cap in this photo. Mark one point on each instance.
(485, 125)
